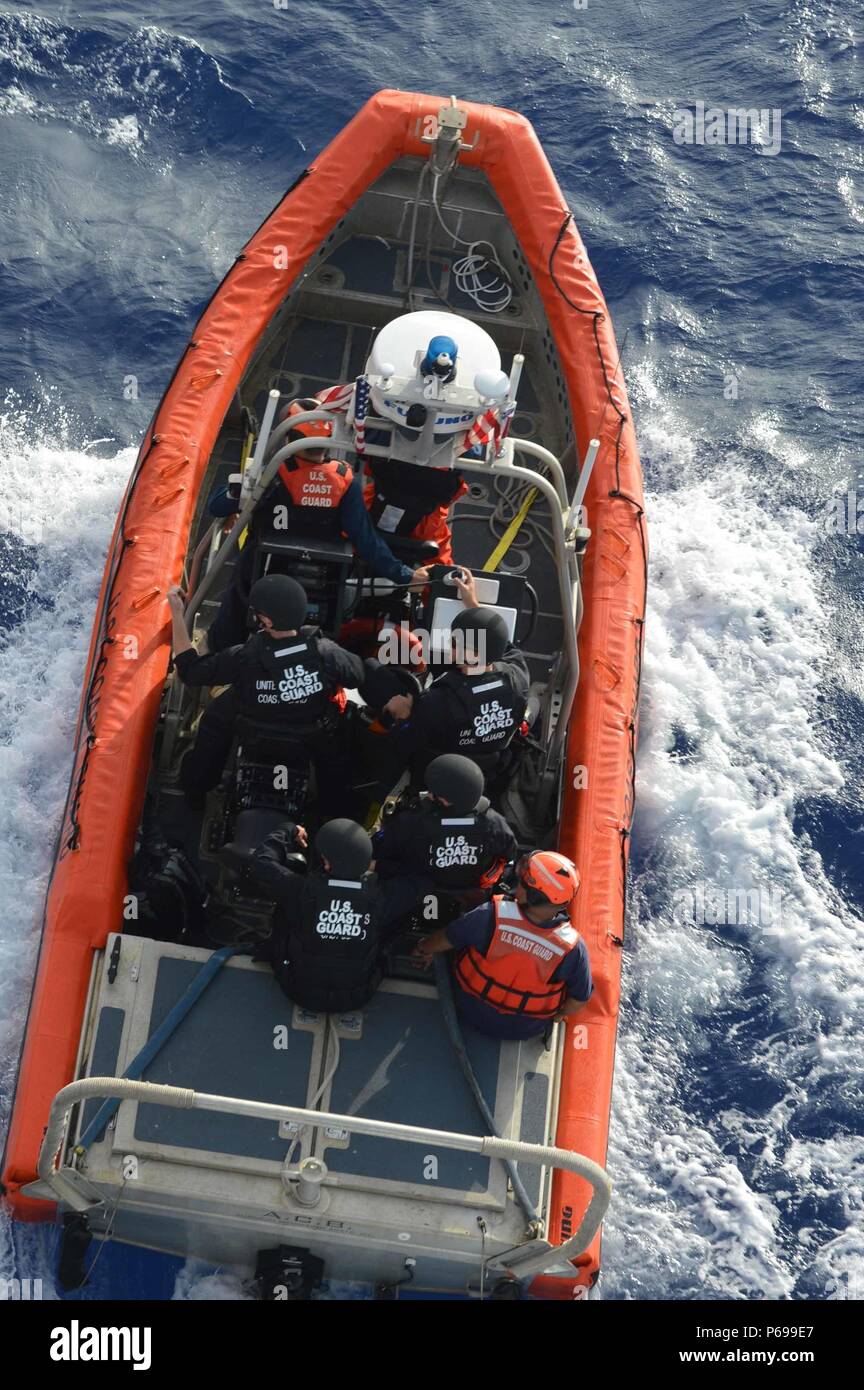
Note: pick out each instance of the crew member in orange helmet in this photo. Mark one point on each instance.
(323, 498)
(520, 964)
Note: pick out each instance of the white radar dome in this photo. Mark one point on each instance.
(434, 360)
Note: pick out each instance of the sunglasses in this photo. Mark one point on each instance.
(533, 896)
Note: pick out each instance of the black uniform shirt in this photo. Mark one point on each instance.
(271, 869)
(438, 715)
(229, 666)
(406, 842)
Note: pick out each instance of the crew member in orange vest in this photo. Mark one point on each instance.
(520, 964)
(321, 497)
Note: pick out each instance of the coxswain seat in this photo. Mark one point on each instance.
(413, 552)
(250, 830)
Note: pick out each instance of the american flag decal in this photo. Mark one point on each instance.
(361, 408)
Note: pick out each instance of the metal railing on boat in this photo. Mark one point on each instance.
(562, 509)
(63, 1182)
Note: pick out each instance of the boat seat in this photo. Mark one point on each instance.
(251, 829)
(320, 564)
(409, 550)
(261, 749)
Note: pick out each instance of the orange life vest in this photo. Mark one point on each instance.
(515, 974)
(316, 484)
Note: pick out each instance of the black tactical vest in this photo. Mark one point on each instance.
(456, 852)
(483, 715)
(333, 952)
(284, 681)
(410, 490)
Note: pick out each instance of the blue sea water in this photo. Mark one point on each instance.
(139, 148)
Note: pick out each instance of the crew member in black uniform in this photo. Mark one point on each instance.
(454, 836)
(476, 707)
(286, 675)
(330, 925)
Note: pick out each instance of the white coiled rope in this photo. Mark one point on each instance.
(481, 276)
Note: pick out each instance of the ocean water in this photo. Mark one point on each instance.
(140, 147)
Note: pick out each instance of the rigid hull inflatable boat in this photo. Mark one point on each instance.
(190, 1107)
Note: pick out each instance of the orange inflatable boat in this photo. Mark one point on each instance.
(423, 220)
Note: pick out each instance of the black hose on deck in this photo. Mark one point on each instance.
(454, 1031)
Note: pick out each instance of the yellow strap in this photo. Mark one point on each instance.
(373, 816)
(247, 449)
(511, 533)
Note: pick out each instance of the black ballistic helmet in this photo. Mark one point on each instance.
(281, 599)
(457, 780)
(384, 680)
(346, 847)
(484, 632)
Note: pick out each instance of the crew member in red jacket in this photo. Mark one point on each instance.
(319, 496)
(408, 499)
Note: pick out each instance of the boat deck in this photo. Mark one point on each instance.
(395, 1063)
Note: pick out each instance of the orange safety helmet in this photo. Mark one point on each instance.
(552, 875)
(309, 429)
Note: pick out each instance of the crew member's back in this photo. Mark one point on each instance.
(519, 963)
(331, 926)
(454, 835)
(286, 676)
(476, 707)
